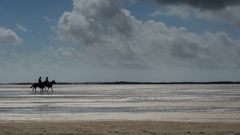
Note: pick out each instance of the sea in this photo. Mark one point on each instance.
(149, 102)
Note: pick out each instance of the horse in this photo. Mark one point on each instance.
(42, 86)
(49, 85)
(37, 85)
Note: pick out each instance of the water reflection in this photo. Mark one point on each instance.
(106, 99)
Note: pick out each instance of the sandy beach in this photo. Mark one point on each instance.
(117, 128)
(121, 110)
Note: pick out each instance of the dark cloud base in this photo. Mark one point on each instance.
(202, 4)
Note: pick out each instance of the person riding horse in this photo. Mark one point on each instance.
(46, 80)
(39, 85)
(46, 84)
(40, 80)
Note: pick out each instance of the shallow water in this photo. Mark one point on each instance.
(122, 102)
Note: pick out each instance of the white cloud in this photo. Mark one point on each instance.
(7, 36)
(21, 28)
(48, 19)
(178, 11)
(112, 36)
(88, 26)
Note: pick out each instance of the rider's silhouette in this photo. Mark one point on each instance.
(47, 80)
(39, 80)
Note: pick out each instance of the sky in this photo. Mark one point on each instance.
(119, 40)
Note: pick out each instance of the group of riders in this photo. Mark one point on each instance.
(44, 86)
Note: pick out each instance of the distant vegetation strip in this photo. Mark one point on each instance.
(125, 82)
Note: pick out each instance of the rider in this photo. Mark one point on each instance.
(47, 80)
(39, 80)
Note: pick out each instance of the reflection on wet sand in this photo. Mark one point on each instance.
(131, 102)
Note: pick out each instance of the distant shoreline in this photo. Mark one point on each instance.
(126, 82)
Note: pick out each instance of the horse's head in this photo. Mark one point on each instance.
(53, 82)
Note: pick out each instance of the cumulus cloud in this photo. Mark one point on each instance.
(229, 14)
(201, 4)
(7, 36)
(214, 10)
(111, 36)
(91, 18)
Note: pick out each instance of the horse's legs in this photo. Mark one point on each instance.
(33, 88)
(52, 89)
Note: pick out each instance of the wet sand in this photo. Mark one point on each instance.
(117, 128)
(121, 110)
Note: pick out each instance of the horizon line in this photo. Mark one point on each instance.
(129, 82)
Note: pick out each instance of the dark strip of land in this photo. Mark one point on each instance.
(126, 82)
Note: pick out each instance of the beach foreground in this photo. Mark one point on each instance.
(121, 110)
(117, 128)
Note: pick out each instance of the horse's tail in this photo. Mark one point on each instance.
(32, 86)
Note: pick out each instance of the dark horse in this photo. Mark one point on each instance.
(42, 86)
(37, 85)
(49, 85)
